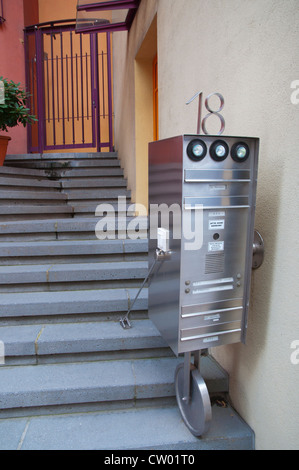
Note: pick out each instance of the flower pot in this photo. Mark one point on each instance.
(3, 147)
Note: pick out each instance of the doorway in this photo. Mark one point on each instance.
(69, 79)
(146, 108)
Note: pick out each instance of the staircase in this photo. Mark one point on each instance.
(72, 377)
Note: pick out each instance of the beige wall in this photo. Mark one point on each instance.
(248, 51)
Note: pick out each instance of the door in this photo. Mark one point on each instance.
(69, 79)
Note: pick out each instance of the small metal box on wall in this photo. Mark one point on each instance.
(206, 186)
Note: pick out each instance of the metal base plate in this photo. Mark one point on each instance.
(197, 412)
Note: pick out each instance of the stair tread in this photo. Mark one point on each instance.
(71, 247)
(64, 302)
(59, 156)
(33, 182)
(97, 381)
(96, 193)
(73, 338)
(11, 209)
(72, 272)
(85, 224)
(144, 428)
(33, 194)
(95, 182)
(91, 172)
(6, 170)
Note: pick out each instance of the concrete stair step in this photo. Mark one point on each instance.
(89, 163)
(32, 195)
(28, 183)
(22, 172)
(52, 304)
(90, 172)
(35, 157)
(65, 342)
(54, 168)
(88, 208)
(152, 428)
(97, 182)
(27, 390)
(68, 275)
(21, 212)
(39, 252)
(98, 195)
(80, 228)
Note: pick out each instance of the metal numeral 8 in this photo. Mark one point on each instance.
(202, 123)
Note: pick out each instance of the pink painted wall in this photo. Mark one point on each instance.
(12, 62)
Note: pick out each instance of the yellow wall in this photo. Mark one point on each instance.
(133, 97)
(144, 110)
(57, 10)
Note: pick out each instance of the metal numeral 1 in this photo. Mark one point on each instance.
(201, 124)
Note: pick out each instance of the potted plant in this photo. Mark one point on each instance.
(13, 111)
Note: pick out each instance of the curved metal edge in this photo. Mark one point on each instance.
(206, 403)
(258, 250)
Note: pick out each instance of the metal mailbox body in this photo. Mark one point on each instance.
(199, 296)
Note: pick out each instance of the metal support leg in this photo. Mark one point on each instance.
(192, 395)
(187, 371)
(197, 355)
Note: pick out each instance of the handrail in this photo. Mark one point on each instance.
(49, 23)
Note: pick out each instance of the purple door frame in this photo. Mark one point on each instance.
(56, 83)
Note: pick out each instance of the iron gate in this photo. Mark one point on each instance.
(68, 76)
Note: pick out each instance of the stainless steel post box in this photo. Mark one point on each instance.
(202, 192)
